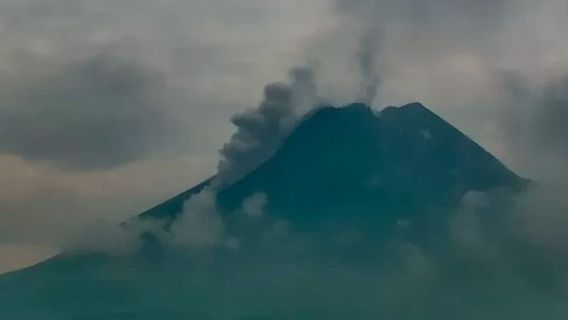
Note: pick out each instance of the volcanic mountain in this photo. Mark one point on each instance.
(347, 168)
(355, 166)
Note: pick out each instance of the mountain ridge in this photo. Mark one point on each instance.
(387, 135)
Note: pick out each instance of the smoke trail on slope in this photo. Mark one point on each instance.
(368, 61)
(260, 131)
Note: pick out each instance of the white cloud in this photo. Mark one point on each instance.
(255, 205)
(201, 225)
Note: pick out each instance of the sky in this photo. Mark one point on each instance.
(109, 107)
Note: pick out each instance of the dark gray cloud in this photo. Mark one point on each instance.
(58, 51)
(551, 116)
(95, 113)
(534, 123)
(536, 113)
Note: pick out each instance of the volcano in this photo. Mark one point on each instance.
(355, 166)
(346, 168)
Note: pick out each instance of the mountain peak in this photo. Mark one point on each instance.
(413, 106)
(354, 165)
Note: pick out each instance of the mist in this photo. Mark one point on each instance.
(486, 270)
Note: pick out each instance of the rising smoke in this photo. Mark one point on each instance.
(260, 131)
(368, 64)
(201, 225)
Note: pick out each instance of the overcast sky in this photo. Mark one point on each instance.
(108, 107)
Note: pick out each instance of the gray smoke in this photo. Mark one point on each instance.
(260, 131)
(368, 64)
(201, 225)
(393, 47)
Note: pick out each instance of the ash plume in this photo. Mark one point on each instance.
(260, 131)
(369, 50)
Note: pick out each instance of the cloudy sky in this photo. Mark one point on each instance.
(108, 107)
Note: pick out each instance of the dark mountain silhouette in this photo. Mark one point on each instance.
(352, 165)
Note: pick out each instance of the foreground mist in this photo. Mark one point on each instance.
(488, 269)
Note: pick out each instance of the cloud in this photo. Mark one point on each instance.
(170, 67)
(155, 84)
(49, 207)
(551, 114)
(504, 245)
(534, 123)
(255, 205)
(96, 113)
(371, 43)
(542, 217)
(200, 226)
